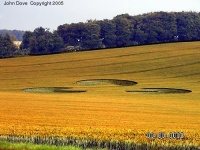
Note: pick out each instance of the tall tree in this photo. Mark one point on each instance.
(42, 41)
(26, 40)
(108, 30)
(72, 34)
(123, 31)
(188, 25)
(91, 36)
(7, 48)
(57, 42)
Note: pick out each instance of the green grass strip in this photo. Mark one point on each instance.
(28, 146)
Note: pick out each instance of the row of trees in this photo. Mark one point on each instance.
(125, 30)
(122, 30)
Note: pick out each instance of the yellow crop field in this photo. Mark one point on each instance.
(94, 95)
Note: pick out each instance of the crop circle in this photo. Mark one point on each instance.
(52, 90)
(161, 91)
(92, 82)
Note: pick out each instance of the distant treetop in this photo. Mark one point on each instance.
(17, 34)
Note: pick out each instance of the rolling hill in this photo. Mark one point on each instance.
(110, 92)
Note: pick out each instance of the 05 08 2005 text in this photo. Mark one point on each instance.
(162, 135)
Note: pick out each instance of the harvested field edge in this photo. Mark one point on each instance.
(85, 143)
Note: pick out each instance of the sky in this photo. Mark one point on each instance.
(29, 17)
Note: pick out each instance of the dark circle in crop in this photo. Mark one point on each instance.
(71, 91)
(161, 91)
(52, 90)
(91, 82)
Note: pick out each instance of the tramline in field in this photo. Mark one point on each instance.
(104, 98)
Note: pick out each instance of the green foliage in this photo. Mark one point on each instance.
(61, 143)
(108, 36)
(7, 48)
(84, 35)
(41, 41)
(91, 36)
(188, 26)
(155, 28)
(27, 37)
(29, 146)
(125, 30)
(72, 34)
(139, 36)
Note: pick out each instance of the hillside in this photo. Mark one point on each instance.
(104, 106)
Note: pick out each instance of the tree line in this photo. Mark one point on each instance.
(123, 30)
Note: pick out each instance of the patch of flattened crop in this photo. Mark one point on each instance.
(71, 91)
(52, 90)
(91, 82)
(161, 91)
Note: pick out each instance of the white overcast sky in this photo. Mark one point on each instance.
(73, 11)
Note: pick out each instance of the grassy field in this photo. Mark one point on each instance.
(104, 110)
(27, 146)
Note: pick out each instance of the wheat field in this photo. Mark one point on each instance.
(103, 110)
